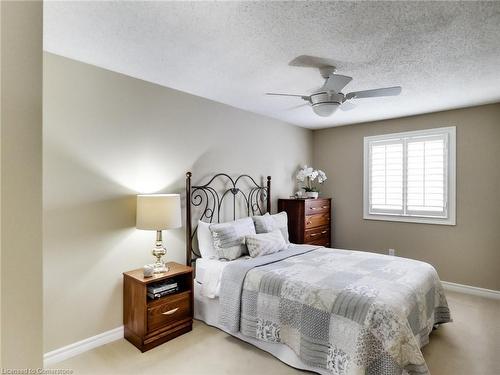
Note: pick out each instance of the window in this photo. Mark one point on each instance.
(410, 176)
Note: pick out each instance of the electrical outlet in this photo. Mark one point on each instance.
(392, 252)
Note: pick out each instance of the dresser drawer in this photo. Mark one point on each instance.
(319, 234)
(317, 206)
(321, 242)
(317, 220)
(173, 310)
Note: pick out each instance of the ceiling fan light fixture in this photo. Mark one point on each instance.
(326, 100)
(325, 109)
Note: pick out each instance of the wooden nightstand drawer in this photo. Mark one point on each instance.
(173, 309)
(315, 206)
(317, 220)
(319, 234)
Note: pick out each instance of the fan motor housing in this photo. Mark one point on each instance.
(327, 97)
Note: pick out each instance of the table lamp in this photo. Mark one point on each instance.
(158, 212)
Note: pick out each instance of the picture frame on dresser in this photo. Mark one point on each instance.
(309, 220)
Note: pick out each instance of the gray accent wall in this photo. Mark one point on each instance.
(467, 253)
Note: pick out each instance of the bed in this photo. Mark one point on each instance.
(330, 311)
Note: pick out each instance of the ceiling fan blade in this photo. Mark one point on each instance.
(312, 62)
(298, 106)
(305, 97)
(336, 82)
(347, 106)
(386, 91)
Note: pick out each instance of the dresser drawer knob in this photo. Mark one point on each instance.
(170, 312)
(323, 232)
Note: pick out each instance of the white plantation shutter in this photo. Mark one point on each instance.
(409, 176)
(386, 177)
(426, 176)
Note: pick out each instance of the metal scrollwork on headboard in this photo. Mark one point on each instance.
(209, 201)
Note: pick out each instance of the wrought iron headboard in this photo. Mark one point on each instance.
(256, 199)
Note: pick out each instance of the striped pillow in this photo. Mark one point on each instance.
(265, 243)
(229, 238)
(268, 223)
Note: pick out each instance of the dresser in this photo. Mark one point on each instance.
(309, 220)
(151, 322)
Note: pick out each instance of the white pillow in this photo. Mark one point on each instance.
(205, 242)
(229, 238)
(265, 243)
(268, 223)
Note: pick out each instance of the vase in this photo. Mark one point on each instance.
(312, 194)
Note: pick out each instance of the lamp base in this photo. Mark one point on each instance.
(159, 251)
(159, 267)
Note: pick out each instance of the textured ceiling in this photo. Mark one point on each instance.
(444, 54)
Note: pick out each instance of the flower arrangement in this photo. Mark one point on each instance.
(308, 175)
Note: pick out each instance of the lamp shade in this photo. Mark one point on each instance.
(158, 211)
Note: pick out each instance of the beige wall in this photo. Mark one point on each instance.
(106, 138)
(21, 185)
(468, 253)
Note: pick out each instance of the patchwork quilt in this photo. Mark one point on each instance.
(347, 312)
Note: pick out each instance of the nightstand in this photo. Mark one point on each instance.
(151, 322)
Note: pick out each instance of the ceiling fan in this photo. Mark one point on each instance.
(328, 98)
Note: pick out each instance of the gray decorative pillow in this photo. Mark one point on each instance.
(229, 238)
(265, 243)
(268, 223)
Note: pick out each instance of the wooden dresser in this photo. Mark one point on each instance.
(151, 322)
(309, 220)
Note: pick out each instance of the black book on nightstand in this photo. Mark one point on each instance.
(159, 288)
(162, 294)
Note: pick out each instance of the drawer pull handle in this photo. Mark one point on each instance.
(315, 208)
(170, 312)
(317, 234)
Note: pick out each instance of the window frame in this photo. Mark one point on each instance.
(450, 183)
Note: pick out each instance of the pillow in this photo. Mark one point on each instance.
(205, 243)
(229, 238)
(265, 243)
(268, 223)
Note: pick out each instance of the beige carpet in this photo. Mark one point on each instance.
(470, 346)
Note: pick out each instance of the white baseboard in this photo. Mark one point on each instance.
(79, 347)
(474, 290)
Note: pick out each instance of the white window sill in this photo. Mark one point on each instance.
(411, 219)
